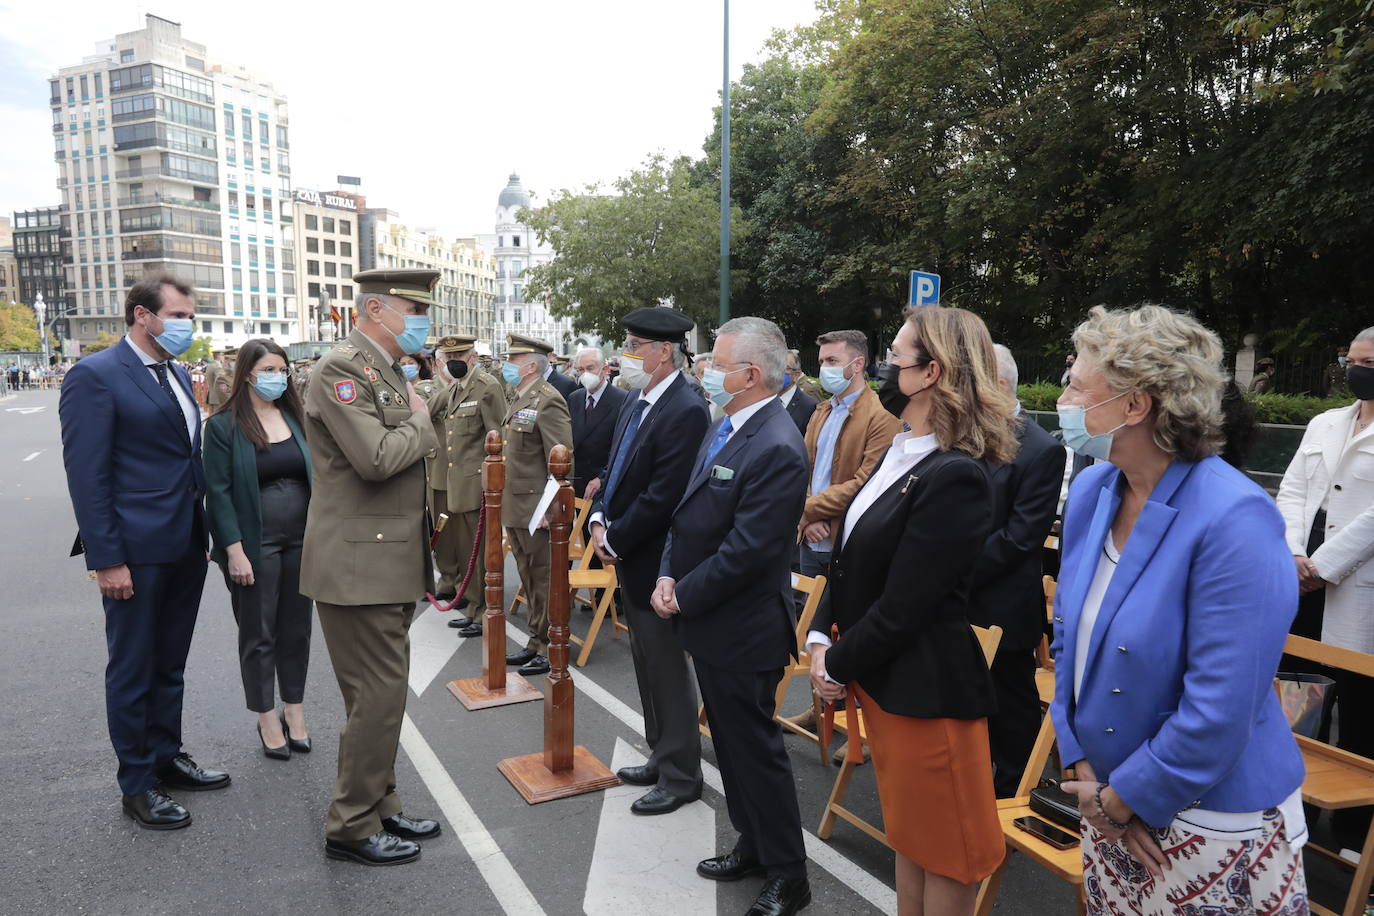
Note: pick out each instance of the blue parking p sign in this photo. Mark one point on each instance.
(925, 288)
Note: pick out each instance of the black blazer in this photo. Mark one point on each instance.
(899, 589)
(656, 473)
(731, 546)
(800, 409)
(565, 385)
(1025, 494)
(592, 434)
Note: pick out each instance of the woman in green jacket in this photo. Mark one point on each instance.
(257, 471)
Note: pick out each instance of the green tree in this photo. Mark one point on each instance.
(653, 238)
(103, 341)
(199, 349)
(18, 327)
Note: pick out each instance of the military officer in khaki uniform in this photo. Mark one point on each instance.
(366, 552)
(218, 377)
(468, 407)
(536, 421)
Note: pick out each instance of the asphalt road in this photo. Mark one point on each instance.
(256, 847)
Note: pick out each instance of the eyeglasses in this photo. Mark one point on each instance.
(920, 358)
(630, 344)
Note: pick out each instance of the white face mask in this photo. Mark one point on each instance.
(589, 380)
(632, 371)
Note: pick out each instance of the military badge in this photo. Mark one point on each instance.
(371, 374)
(385, 398)
(345, 392)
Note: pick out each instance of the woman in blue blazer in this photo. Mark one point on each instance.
(1175, 596)
(257, 472)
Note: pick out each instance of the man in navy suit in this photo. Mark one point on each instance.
(558, 380)
(725, 580)
(651, 458)
(131, 447)
(594, 406)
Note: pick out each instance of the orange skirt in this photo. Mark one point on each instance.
(935, 786)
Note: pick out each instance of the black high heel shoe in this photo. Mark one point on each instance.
(276, 753)
(299, 745)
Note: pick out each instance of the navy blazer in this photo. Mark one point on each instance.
(233, 502)
(1177, 707)
(134, 475)
(732, 543)
(656, 473)
(592, 435)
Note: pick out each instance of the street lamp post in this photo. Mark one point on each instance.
(725, 176)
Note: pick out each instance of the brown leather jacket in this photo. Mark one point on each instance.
(866, 435)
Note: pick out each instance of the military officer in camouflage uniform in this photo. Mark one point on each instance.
(366, 552)
(536, 421)
(468, 407)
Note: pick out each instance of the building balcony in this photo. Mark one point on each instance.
(155, 171)
(144, 200)
(165, 254)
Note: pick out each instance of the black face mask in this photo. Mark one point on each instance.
(457, 368)
(890, 391)
(1361, 381)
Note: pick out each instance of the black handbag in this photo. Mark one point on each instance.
(1056, 806)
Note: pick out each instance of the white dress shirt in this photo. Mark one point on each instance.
(907, 451)
(787, 395)
(190, 412)
(650, 396)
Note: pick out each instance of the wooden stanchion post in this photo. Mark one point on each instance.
(562, 769)
(496, 687)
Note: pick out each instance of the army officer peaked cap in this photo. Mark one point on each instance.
(518, 343)
(658, 322)
(414, 285)
(456, 343)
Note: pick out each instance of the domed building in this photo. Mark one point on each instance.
(516, 250)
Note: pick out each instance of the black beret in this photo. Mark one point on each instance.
(658, 322)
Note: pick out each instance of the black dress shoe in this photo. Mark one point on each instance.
(446, 597)
(461, 605)
(537, 665)
(459, 622)
(299, 745)
(153, 810)
(729, 867)
(638, 776)
(411, 828)
(275, 753)
(659, 800)
(782, 897)
(470, 631)
(181, 772)
(521, 657)
(381, 848)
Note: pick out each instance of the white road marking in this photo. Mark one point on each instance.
(25, 411)
(432, 644)
(646, 864)
(849, 874)
(505, 883)
(34, 455)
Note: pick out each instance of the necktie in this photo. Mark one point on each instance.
(622, 453)
(160, 370)
(587, 411)
(718, 442)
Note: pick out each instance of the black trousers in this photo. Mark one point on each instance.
(1012, 730)
(760, 791)
(668, 698)
(148, 637)
(272, 614)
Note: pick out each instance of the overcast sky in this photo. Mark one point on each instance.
(433, 105)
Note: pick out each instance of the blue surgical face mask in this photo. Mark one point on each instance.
(177, 335)
(269, 385)
(713, 381)
(1073, 423)
(787, 379)
(410, 371)
(511, 374)
(413, 338)
(833, 379)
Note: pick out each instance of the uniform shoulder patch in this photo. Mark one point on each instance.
(346, 392)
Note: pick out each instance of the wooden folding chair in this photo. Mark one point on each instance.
(575, 546)
(1065, 864)
(1044, 662)
(988, 640)
(1338, 779)
(594, 579)
(813, 587)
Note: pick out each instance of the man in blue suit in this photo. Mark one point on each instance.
(649, 461)
(725, 580)
(131, 447)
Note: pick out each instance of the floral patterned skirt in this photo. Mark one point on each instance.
(1209, 877)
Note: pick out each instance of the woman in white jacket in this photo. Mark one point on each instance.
(1327, 501)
